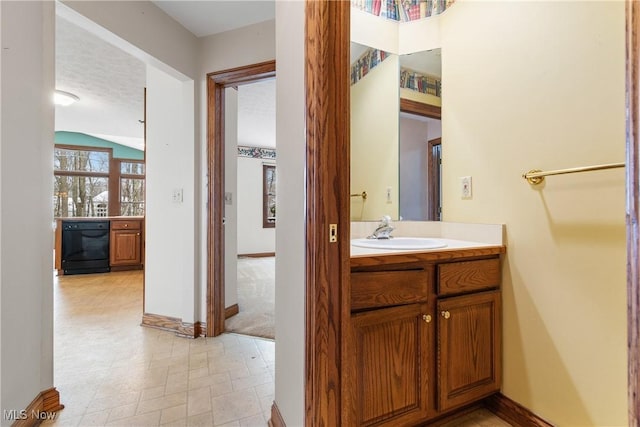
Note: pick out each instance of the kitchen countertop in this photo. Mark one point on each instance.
(97, 218)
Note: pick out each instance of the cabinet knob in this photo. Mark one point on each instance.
(426, 318)
(137, 234)
(126, 225)
(446, 314)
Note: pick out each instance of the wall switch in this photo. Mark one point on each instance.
(465, 187)
(176, 195)
(228, 198)
(388, 194)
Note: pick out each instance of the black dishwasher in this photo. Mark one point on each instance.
(85, 247)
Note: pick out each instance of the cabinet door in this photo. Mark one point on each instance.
(125, 247)
(468, 348)
(388, 373)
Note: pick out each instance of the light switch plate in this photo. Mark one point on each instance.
(228, 198)
(465, 187)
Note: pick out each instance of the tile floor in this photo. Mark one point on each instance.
(111, 371)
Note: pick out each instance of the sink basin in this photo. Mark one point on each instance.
(400, 243)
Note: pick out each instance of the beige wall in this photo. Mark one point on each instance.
(375, 109)
(541, 85)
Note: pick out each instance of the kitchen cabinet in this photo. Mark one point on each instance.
(126, 244)
(423, 339)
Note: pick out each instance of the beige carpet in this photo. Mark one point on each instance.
(256, 298)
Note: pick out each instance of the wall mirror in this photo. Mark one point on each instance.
(395, 134)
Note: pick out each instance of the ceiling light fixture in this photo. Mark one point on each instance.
(64, 98)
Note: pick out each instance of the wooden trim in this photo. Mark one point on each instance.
(421, 109)
(127, 267)
(257, 255)
(114, 187)
(80, 173)
(216, 83)
(513, 412)
(276, 419)
(215, 229)
(633, 187)
(328, 156)
(172, 324)
(203, 329)
(441, 255)
(231, 311)
(434, 181)
(42, 407)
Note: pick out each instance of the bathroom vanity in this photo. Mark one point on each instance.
(423, 335)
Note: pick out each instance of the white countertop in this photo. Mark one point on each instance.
(452, 244)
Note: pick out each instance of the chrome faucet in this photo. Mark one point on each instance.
(384, 229)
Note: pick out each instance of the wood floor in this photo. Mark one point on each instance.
(111, 371)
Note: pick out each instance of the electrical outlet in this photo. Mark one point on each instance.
(176, 195)
(465, 187)
(388, 194)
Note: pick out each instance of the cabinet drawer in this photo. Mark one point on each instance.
(387, 288)
(125, 224)
(468, 276)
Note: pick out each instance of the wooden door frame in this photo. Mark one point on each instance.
(326, 65)
(633, 187)
(327, 266)
(433, 190)
(217, 82)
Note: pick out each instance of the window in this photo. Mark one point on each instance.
(83, 177)
(131, 188)
(81, 184)
(268, 196)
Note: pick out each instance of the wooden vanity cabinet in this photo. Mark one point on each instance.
(126, 244)
(423, 340)
(468, 348)
(390, 368)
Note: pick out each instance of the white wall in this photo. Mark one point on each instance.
(541, 85)
(235, 48)
(252, 237)
(290, 239)
(415, 132)
(414, 169)
(26, 286)
(170, 283)
(231, 186)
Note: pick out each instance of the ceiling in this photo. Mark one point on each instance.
(204, 18)
(110, 82)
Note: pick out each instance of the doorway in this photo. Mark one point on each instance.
(217, 83)
(250, 208)
(434, 182)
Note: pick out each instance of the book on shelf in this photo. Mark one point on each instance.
(366, 62)
(418, 82)
(403, 10)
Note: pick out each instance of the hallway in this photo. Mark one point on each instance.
(111, 371)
